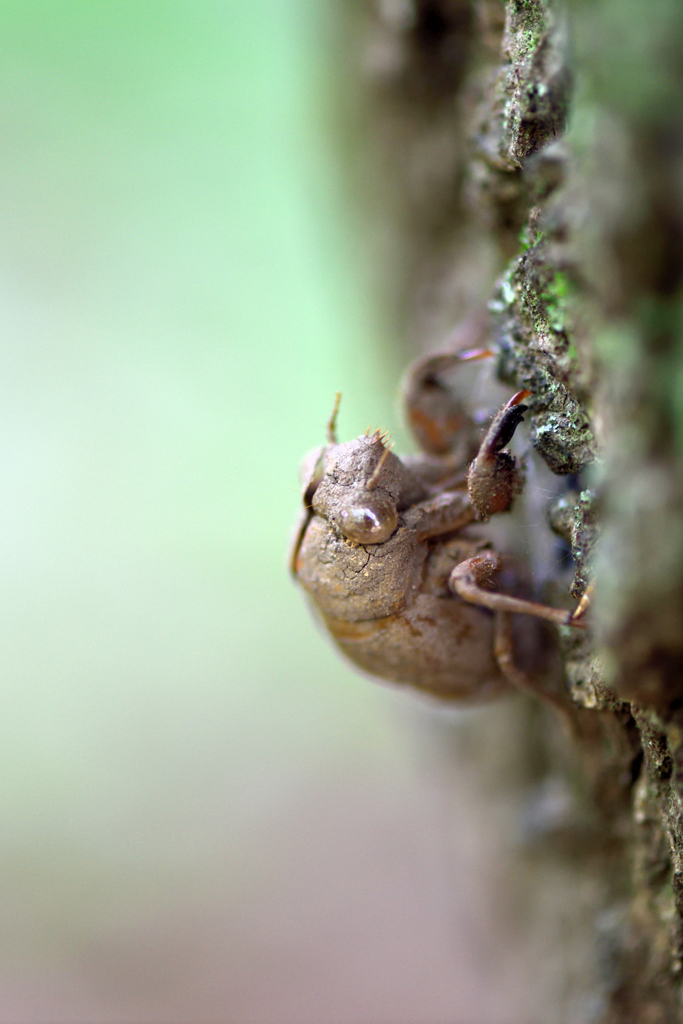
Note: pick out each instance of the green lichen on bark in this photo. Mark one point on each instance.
(531, 305)
(627, 246)
(533, 300)
(584, 280)
(528, 103)
(524, 108)
(574, 517)
(627, 137)
(534, 80)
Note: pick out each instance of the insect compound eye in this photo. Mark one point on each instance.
(368, 523)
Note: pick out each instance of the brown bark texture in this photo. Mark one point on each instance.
(529, 159)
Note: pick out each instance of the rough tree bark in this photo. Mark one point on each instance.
(530, 157)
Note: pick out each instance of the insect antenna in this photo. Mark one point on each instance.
(332, 423)
(374, 479)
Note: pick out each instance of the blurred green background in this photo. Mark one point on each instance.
(204, 815)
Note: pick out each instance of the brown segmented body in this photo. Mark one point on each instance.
(388, 553)
(388, 606)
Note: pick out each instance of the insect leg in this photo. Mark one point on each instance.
(446, 513)
(504, 651)
(436, 415)
(492, 479)
(471, 578)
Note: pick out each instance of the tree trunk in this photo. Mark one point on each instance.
(529, 158)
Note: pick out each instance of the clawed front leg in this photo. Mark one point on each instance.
(493, 479)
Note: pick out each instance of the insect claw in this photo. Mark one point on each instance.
(517, 399)
(583, 606)
(471, 354)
